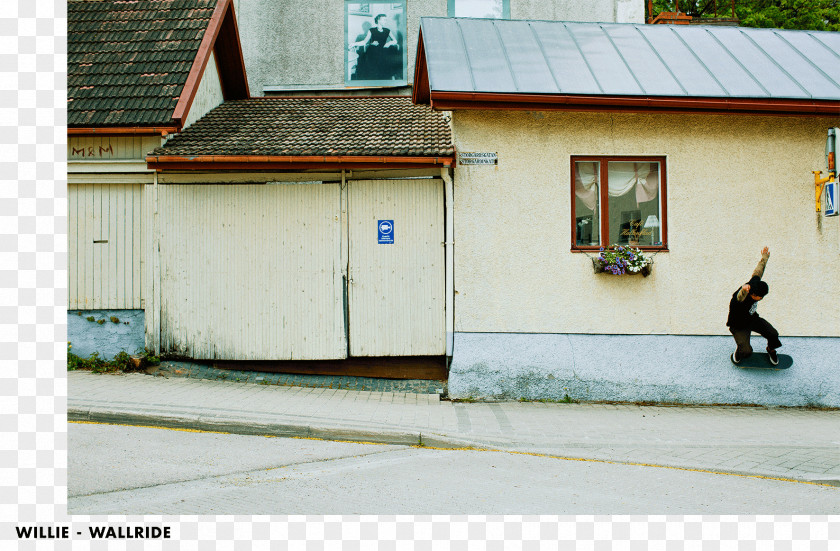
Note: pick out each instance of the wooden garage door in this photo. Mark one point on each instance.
(104, 246)
(251, 272)
(396, 295)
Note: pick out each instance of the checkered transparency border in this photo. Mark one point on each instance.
(33, 382)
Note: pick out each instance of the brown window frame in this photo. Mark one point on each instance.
(603, 199)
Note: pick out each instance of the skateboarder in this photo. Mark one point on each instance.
(743, 318)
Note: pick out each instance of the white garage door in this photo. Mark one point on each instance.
(251, 272)
(396, 295)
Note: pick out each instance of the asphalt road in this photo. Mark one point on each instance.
(139, 470)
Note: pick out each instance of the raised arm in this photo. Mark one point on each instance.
(758, 272)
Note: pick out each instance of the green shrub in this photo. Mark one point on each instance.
(150, 359)
(122, 361)
(95, 364)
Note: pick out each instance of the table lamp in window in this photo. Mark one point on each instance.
(652, 222)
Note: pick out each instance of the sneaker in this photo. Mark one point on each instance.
(774, 358)
(735, 358)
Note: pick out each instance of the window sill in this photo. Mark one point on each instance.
(596, 248)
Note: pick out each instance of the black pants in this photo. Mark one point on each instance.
(757, 325)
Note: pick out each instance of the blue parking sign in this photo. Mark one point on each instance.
(386, 232)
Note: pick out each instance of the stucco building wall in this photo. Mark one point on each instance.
(301, 42)
(617, 11)
(734, 184)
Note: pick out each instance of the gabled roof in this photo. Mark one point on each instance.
(138, 63)
(318, 132)
(481, 62)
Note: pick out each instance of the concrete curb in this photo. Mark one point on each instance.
(250, 426)
(264, 425)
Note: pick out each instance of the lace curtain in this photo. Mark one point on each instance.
(623, 178)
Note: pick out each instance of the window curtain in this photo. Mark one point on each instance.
(622, 177)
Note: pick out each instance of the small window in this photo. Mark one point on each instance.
(618, 200)
(486, 9)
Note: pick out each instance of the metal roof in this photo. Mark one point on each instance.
(629, 60)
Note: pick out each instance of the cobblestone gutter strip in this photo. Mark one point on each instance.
(194, 370)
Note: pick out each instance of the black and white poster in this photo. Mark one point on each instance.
(375, 53)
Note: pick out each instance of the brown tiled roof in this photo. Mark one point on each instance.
(128, 60)
(296, 127)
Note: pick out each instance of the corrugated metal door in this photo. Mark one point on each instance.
(104, 246)
(251, 272)
(396, 295)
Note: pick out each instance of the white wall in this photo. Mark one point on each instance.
(735, 184)
(209, 93)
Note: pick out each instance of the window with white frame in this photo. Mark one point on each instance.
(618, 200)
(486, 9)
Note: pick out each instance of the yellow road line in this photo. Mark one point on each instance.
(476, 449)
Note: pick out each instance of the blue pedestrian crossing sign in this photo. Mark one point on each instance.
(831, 206)
(386, 232)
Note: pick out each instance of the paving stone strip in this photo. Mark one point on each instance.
(197, 370)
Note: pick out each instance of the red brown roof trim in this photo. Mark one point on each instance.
(222, 21)
(121, 130)
(446, 101)
(262, 162)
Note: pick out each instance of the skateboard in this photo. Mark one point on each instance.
(759, 360)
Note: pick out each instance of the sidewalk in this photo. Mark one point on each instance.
(783, 443)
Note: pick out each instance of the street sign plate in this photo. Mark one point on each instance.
(476, 158)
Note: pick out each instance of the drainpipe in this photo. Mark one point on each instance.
(345, 259)
(156, 291)
(450, 262)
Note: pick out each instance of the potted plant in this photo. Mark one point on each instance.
(621, 260)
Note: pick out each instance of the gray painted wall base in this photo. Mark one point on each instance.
(107, 338)
(640, 368)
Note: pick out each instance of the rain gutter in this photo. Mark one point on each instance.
(121, 130)
(265, 162)
(447, 101)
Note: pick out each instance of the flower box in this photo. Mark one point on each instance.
(601, 268)
(621, 260)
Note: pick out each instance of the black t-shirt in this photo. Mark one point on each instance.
(740, 313)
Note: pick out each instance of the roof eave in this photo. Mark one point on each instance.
(291, 163)
(447, 101)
